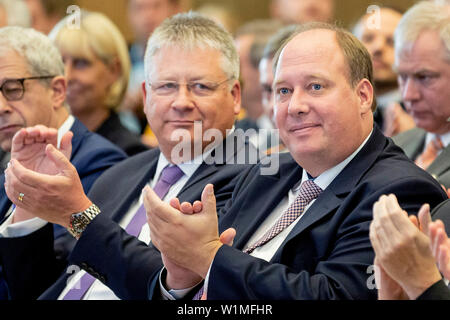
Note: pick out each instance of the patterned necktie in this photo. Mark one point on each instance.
(169, 176)
(308, 192)
(430, 153)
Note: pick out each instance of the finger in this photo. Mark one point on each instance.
(414, 221)
(209, 199)
(66, 144)
(175, 203)
(155, 207)
(18, 140)
(424, 218)
(227, 237)
(198, 206)
(444, 260)
(186, 208)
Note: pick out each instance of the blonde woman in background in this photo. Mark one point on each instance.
(97, 67)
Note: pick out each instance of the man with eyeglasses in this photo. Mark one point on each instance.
(191, 96)
(33, 91)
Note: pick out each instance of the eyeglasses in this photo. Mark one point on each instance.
(198, 88)
(13, 89)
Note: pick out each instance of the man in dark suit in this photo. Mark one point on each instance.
(424, 75)
(188, 104)
(28, 102)
(295, 249)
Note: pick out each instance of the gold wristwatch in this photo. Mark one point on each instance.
(80, 220)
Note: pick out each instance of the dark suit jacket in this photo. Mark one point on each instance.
(438, 291)
(413, 142)
(328, 252)
(91, 156)
(105, 249)
(113, 130)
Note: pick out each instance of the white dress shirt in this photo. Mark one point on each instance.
(99, 291)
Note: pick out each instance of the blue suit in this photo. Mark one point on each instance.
(91, 156)
(328, 253)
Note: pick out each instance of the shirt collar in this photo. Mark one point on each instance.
(445, 138)
(65, 127)
(324, 179)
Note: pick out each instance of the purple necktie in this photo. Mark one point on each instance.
(308, 192)
(169, 176)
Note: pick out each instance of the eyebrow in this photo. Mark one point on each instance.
(310, 77)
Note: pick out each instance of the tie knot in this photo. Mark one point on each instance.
(309, 190)
(171, 174)
(437, 143)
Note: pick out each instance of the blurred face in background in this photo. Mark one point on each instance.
(88, 82)
(379, 41)
(251, 91)
(266, 80)
(424, 75)
(301, 11)
(145, 15)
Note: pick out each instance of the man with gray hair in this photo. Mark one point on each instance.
(192, 95)
(422, 61)
(33, 92)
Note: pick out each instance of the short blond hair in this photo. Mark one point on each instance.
(193, 30)
(97, 35)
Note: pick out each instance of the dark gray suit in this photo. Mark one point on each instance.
(413, 142)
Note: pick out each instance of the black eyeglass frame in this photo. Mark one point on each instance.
(21, 81)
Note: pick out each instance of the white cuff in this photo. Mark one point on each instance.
(172, 294)
(20, 229)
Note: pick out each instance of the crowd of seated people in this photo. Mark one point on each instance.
(279, 160)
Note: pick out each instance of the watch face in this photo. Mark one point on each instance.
(80, 222)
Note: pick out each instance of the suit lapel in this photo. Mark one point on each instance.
(441, 164)
(332, 197)
(5, 203)
(78, 130)
(271, 190)
(137, 178)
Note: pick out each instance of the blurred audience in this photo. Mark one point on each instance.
(250, 40)
(266, 76)
(14, 13)
(377, 35)
(301, 11)
(45, 14)
(422, 48)
(220, 14)
(97, 67)
(143, 16)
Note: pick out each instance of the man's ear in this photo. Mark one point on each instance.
(236, 93)
(365, 92)
(58, 86)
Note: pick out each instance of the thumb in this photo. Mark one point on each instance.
(424, 218)
(151, 199)
(209, 199)
(227, 237)
(57, 157)
(66, 144)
